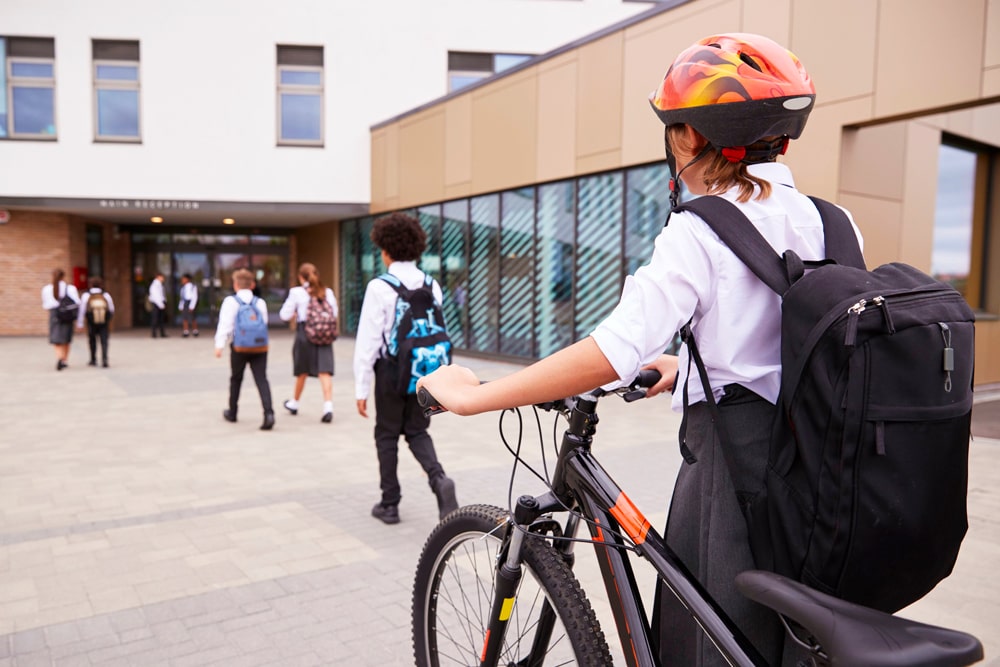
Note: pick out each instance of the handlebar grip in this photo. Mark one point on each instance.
(429, 403)
(647, 378)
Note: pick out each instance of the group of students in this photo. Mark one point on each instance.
(67, 308)
(402, 241)
(730, 103)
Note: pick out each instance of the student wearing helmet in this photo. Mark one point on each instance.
(730, 104)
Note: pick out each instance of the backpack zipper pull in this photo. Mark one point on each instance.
(949, 355)
(883, 303)
(853, 313)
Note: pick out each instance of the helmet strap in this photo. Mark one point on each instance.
(675, 188)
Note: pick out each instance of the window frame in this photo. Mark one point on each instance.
(479, 73)
(318, 90)
(116, 84)
(15, 81)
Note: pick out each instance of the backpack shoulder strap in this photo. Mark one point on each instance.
(838, 235)
(395, 283)
(739, 234)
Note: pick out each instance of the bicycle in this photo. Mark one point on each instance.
(472, 604)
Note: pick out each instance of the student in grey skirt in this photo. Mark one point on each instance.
(308, 359)
(60, 333)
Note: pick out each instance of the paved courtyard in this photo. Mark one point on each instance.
(137, 527)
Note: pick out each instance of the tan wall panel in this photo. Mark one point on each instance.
(836, 43)
(987, 352)
(421, 137)
(379, 168)
(926, 57)
(458, 142)
(598, 162)
(816, 156)
(650, 48)
(991, 82)
(881, 225)
(317, 244)
(772, 18)
(504, 133)
(991, 53)
(873, 161)
(599, 87)
(557, 117)
(920, 163)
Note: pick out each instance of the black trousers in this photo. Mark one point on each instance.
(397, 415)
(258, 366)
(706, 528)
(159, 318)
(98, 332)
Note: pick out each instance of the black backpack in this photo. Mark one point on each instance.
(866, 482)
(418, 343)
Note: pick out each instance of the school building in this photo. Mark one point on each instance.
(541, 185)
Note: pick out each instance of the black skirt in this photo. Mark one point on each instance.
(309, 359)
(60, 333)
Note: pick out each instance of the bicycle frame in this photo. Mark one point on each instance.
(580, 482)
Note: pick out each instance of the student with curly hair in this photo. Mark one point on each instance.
(402, 241)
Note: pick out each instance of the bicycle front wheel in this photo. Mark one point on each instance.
(552, 622)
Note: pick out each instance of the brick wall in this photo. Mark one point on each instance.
(32, 245)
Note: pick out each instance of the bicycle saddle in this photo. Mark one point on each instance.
(854, 635)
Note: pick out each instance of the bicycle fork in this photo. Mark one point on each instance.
(508, 580)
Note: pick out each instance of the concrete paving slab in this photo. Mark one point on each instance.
(137, 527)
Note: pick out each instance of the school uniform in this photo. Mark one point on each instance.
(240, 360)
(189, 300)
(395, 415)
(307, 358)
(159, 312)
(735, 317)
(96, 331)
(60, 333)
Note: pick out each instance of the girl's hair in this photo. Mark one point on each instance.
(721, 174)
(57, 275)
(309, 273)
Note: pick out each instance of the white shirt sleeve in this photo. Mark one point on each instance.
(227, 321)
(368, 340)
(290, 308)
(82, 313)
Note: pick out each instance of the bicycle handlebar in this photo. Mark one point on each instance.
(630, 392)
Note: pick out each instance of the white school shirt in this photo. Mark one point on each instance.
(378, 312)
(297, 303)
(49, 302)
(189, 293)
(693, 275)
(82, 316)
(227, 315)
(156, 294)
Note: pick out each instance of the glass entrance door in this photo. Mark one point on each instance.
(198, 266)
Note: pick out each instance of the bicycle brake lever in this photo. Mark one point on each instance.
(634, 395)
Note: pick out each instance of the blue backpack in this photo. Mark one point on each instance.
(250, 333)
(418, 342)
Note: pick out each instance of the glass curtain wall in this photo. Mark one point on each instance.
(526, 271)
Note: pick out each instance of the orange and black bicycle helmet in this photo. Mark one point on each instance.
(736, 89)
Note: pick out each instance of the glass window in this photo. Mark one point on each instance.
(116, 90)
(517, 271)
(455, 269)
(28, 90)
(484, 274)
(958, 255)
(300, 95)
(599, 249)
(466, 68)
(647, 200)
(555, 255)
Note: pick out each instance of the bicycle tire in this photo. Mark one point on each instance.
(452, 598)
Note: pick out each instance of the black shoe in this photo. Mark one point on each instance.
(327, 417)
(229, 415)
(386, 513)
(104, 363)
(61, 365)
(294, 411)
(93, 362)
(268, 421)
(195, 333)
(444, 489)
(186, 334)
